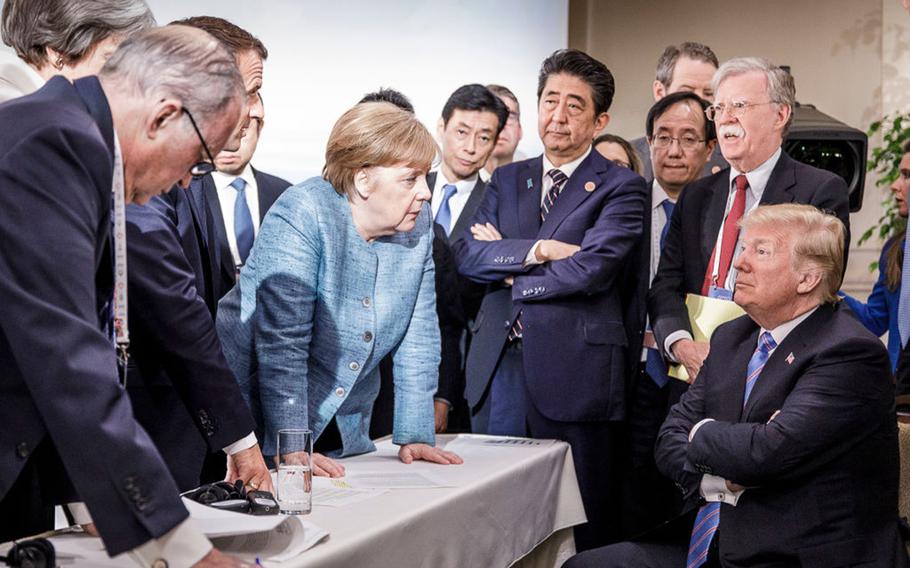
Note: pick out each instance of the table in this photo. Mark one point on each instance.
(508, 504)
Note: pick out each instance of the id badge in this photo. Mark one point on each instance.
(720, 293)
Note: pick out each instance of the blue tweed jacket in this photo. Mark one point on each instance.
(317, 307)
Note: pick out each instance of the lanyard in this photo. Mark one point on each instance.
(731, 196)
(121, 329)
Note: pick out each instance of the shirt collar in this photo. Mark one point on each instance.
(464, 186)
(658, 195)
(567, 169)
(223, 180)
(758, 178)
(781, 332)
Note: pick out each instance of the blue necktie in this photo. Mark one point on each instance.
(243, 221)
(903, 306)
(708, 518)
(654, 364)
(444, 214)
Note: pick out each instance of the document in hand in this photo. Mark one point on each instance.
(705, 315)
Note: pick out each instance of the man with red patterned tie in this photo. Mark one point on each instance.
(753, 108)
(785, 448)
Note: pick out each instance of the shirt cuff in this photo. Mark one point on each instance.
(697, 426)
(440, 399)
(531, 258)
(183, 545)
(673, 338)
(244, 443)
(80, 513)
(714, 489)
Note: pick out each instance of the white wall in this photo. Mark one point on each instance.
(323, 56)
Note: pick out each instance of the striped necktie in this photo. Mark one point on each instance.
(708, 518)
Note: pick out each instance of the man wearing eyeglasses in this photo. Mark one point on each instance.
(182, 390)
(753, 108)
(682, 140)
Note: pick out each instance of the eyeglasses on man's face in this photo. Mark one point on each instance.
(734, 110)
(200, 168)
(686, 142)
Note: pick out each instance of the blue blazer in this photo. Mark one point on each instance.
(574, 332)
(317, 307)
(879, 313)
(58, 375)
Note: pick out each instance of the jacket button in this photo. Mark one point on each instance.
(368, 336)
(160, 563)
(367, 302)
(339, 392)
(22, 450)
(354, 366)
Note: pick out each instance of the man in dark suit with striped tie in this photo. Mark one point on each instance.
(786, 445)
(552, 239)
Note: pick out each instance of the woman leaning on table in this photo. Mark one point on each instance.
(341, 274)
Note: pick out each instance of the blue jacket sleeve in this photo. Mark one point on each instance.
(874, 313)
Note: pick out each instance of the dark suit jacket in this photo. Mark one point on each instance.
(697, 220)
(58, 376)
(574, 338)
(644, 153)
(183, 392)
(269, 187)
(822, 476)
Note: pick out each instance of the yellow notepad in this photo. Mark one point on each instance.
(705, 315)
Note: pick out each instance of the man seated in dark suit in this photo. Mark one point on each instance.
(66, 152)
(471, 122)
(552, 238)
(753, 111)
(689, 66)
(786, 445)
(681, 139)
(182, 390)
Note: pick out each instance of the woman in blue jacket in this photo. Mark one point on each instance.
(879, 313)
(340, 275)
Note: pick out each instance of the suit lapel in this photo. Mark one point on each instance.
(226, 259)
(781, 182)
(265, 196)
(93, 96)
(467, 213)
(574, 193)
(528, 186)
(714, 215)
(731, 394)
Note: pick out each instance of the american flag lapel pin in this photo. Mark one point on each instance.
(790, 358)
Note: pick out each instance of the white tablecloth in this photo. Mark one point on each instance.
(504, 501)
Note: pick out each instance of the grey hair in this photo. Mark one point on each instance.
(666, 65)
(70, 27)
(781, 87)
(173, 61)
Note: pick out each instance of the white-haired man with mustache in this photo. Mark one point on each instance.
(753, 107)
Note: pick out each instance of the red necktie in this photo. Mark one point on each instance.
(728, 239)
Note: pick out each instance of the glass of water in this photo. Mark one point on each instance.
(295, 474)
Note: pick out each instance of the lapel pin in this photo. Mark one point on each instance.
(589, 186)
(790, 358)
(530, 183)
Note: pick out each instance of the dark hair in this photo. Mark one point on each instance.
(69, 27)
(895, 259)
(664, 104)
(235, 39)
(476, 97)
(580, 64)
(666, 65)
(504, 92)
(384, 95)
(634, 161)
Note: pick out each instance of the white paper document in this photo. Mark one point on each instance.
(468, 444)
(329, 492)
(393, 480)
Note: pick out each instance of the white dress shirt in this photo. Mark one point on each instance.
(457, 201)
(227, 198)
(758, 181)
(714, 487)
(546, 185)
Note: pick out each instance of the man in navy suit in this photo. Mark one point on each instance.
(552, 238)
(64, 151)
(182, 390)
(786, 444)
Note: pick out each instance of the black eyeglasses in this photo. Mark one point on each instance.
(200, 168)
